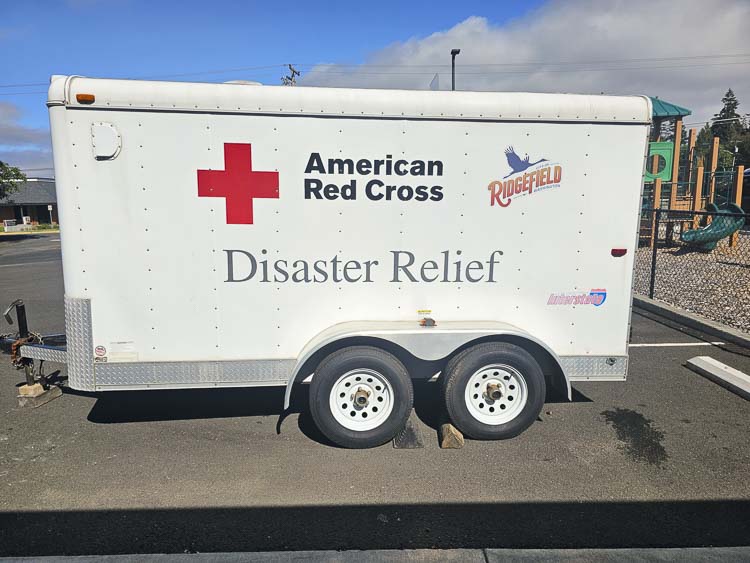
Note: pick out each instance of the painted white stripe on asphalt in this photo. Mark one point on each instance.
(675, 344)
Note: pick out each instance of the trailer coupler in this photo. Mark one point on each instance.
(38, 389)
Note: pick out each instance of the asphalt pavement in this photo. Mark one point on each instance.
(662, 460)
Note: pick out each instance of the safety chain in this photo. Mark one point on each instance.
(15, 357)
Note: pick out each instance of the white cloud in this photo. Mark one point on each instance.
(13, 133)
(526, 53)
(25, 147)
(35, 163)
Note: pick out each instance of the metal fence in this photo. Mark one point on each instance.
(698, 261)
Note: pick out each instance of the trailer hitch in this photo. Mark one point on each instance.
(23, 337)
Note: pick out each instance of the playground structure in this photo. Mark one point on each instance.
(723, 224)
(679, 180)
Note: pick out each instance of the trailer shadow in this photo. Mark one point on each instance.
(191, 404)
(185, 404)
(429, 407)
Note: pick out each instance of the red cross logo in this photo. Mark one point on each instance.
(238, 184)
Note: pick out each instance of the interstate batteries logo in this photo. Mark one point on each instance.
(595, 297)
(525, 178)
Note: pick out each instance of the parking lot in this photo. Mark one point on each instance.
(662, 460)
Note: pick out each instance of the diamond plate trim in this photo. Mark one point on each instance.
(587, 368)
(79, 342)
(193, 373)
(45, 353)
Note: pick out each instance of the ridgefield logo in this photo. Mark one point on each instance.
(524, 178)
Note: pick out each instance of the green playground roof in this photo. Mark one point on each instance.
(662, 109)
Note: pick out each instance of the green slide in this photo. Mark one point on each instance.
(721, 226)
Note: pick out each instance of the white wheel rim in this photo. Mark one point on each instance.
(361, 399)
(496, 394)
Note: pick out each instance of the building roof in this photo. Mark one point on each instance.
(34, 191)
(662, 109)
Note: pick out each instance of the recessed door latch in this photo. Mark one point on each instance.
(106, 141)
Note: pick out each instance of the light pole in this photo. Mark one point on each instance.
(454, 52)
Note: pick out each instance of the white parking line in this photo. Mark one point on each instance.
(675, 344)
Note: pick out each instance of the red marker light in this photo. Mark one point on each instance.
(619, 252)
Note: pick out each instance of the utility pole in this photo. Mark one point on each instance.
(291, 79)
(454, 52)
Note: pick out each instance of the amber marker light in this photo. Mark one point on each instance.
(85, 98)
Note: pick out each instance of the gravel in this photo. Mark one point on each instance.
(714, 284)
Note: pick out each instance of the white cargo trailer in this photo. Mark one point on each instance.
(226, 235)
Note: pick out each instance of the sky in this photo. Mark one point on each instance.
(685, 52)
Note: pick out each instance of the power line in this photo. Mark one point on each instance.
(715, 121)
(27, 85)
(535, 63)
(464, 65)
(178, 75)
(542, 69)
(221, 71)
(427, 73)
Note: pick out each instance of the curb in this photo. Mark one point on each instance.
(722, 374)
(692, 320)
(27, 233)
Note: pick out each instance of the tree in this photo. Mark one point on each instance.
(727, 124)
(743, 154)
(703, 146)
(10, 178)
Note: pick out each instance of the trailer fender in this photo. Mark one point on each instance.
(424, 343)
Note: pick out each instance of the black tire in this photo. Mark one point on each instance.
(449, 366)
(471, 361)
(343, 361)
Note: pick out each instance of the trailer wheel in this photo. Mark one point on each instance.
(494, 391)
(360, 397)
